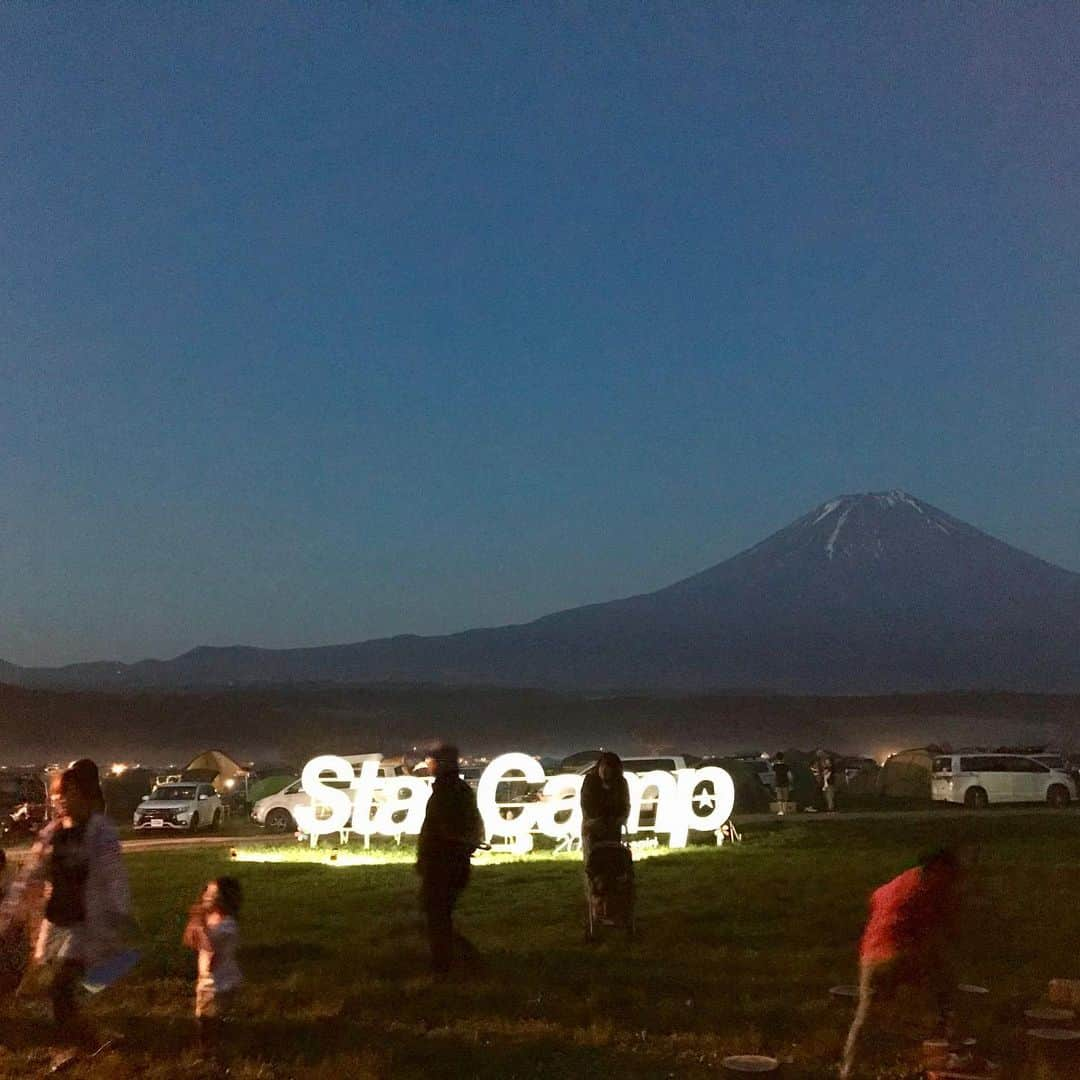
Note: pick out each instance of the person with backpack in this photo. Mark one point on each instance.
(453, 829)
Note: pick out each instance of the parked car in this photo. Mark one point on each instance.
(651, 764)
(976, 779)
(277, 812)
(188, 806)
(24, 804)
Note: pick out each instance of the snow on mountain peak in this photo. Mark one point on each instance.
(830, 544)
(868, 508)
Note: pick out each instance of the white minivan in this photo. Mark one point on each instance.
(976, 779)
(277, 813)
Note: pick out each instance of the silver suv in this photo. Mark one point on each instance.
(184, 805)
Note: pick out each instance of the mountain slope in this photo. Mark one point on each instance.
(866, 593)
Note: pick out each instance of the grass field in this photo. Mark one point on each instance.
(737, 950)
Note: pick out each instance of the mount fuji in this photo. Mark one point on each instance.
(867, 593)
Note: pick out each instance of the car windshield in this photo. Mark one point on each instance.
(173, 793)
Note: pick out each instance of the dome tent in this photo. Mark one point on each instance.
(269, 780)
(906, 775)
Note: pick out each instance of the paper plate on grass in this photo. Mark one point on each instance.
(845, 991)
(750, 1063)
(109, 971)
(970, 988)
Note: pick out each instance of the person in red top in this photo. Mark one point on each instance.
(907, 941)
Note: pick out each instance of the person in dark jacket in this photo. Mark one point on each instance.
(605, 802)
(781, 782)
(451, 832)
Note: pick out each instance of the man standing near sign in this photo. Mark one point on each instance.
(452, 831)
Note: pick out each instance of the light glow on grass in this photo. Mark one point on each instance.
(302, 855)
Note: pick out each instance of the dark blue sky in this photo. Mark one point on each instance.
(320, 323)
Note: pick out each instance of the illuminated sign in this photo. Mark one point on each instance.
(516, 800)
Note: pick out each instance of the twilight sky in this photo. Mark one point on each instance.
(319, 323)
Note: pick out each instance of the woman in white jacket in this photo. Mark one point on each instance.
(78, 862)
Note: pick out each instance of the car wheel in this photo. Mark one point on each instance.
(976, 799)
(194, 826)
(280, 820)
(216, 823)
(1058, 796)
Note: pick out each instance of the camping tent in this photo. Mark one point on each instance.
(269, 783)
(220, 764)
(906, 775)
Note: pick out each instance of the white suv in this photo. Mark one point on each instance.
(184, 805)
(976, 779)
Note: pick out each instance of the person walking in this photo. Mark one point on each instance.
(453, 829)
(781, 782)
(605, 802)
(907, 940)
(87, 906)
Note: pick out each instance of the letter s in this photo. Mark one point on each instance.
(337, 801)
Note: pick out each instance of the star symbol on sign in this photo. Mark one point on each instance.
(705, 800)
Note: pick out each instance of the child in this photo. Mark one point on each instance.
(212, 931)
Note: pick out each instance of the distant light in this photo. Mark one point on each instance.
(230, 783)
(118, 768)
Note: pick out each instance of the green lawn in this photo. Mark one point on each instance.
(737, 950)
